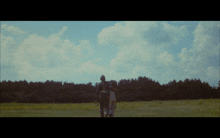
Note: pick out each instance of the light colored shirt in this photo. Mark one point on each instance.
(112, 96)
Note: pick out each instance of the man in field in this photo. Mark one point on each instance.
(103, 96)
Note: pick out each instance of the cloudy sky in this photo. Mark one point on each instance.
(81, 51)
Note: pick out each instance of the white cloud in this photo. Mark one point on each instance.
(51, 57)
(194, 61)
(3, 26)
(145, 45)
(86, 47)
(147, 34)
(7, 43)
(141, 46)
(213, 72)
(83, 50)
(12, 29)
(91, 67)
(139, 71)
(98, 59)
(31, 73)
(141, 25)
(130, 56)
(138, 41)
(158, 33)
(206, 40)
(189, 63)
(176, 33)
(205, 44)
(166, 58)
(33, 49)
(90, 70)
(62, 31)
(116, 34)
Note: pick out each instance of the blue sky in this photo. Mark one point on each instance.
(81, 51)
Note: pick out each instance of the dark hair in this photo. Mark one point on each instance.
(102, 78)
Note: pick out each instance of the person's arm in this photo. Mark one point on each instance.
(116, 94)
(97, 95)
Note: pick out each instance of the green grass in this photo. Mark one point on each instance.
(175, 108)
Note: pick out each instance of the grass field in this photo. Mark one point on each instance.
(175, 108)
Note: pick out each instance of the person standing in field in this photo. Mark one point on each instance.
(113, 99)
(103, 96)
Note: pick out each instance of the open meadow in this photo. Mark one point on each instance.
(172, 108)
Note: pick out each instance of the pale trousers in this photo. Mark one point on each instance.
(107, 110)
(111, 109)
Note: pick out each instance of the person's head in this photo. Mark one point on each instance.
(102, 78)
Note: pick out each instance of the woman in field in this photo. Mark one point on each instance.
(112, 99)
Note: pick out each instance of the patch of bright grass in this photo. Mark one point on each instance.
(171, 108)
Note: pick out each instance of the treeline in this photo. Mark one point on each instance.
(46, 92)
(141, 89)
(146, 89)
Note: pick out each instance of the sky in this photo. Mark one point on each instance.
(82, 51)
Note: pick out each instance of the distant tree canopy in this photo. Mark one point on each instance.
(140, 89)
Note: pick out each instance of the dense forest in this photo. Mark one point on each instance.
(140, 89)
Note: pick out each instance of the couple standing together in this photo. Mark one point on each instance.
(106, 95)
